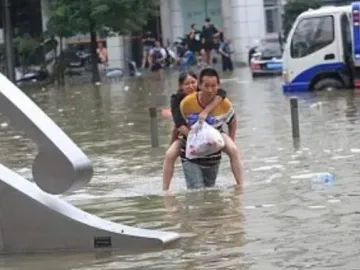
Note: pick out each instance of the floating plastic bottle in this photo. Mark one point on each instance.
(322, 179)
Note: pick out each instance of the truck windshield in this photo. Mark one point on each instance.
(311, 35)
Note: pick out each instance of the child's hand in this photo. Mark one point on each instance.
(202, 116)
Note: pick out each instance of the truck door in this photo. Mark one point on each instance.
(313, 49)
(346, 42)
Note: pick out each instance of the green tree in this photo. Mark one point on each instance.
(101, 16)
(293, 8)
(61, 26)
(27, 48)
(60, 23)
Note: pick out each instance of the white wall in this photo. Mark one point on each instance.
(45, 13)
(172, 25)
(115, 47)
(247, 25)
(227, 17)
(166, 23)
(176, 19)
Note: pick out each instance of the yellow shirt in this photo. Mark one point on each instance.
(223, 113)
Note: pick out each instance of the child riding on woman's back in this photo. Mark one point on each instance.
(188, 84)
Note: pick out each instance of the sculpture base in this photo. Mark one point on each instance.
(34, 221)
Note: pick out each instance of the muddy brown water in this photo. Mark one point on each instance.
(280, 222)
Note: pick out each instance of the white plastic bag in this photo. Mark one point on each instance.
(203, 140)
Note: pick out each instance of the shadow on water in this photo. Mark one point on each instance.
(280, 223)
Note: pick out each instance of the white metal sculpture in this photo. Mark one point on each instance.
(32, 218)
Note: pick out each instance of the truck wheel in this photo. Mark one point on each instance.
(329, 84)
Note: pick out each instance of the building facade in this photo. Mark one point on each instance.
(243, 21)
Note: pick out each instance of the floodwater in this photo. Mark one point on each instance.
(280, 222)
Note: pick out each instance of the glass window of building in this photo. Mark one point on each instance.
(272, 16)
(196, 11)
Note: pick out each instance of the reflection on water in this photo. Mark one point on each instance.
(279, 223)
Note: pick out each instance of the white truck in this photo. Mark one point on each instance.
(322, 50)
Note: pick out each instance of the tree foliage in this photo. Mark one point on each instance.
(107, 17)
(60, 23)
(293, 8)
(27, 45)
(112, 16)
(28, 50)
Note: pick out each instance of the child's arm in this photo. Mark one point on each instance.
(220, 96)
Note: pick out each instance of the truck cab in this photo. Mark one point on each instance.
(319, 51)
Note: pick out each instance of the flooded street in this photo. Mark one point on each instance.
(280, 222)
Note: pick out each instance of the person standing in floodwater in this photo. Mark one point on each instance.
(157, 57)
(148, 43)
(202, 172)
(225, 51)
(102, 56)
(209, 33)
(193, 41)
(188, 84)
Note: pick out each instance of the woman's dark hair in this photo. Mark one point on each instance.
(184, 75)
